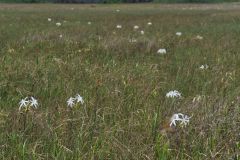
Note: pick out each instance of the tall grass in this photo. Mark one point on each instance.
(123, 84)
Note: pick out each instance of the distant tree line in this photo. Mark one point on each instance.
(116, 1)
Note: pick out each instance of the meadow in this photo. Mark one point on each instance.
(53, 52)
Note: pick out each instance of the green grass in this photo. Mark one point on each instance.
(123, 84)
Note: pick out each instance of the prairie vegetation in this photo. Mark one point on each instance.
(123, 78)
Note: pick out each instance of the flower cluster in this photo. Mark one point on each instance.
(184, 119)
(72, 101)
(173, 94)
(28, 102)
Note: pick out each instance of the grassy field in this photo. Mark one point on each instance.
(122, 79)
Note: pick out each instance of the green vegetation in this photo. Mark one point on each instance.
(123, 84)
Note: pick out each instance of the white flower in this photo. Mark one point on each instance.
(70, 102)
(79, 99)
(60, 36)
(136, 27)
(118, 10)
(199, 37)
(23, 103)
(149, 23)
(33, 102)
(179, 33)
(27, 102)
(205, 66)
(162, 51)
(201, 67)
(89, 23)
(119, 26)
(173, 94)
(49, 19)
(58, 24)
(142, 32)
(184, 119)
(173, 119)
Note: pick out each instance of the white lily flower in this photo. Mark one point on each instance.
(142, 32)
(202, 67)
(70, 102)
(162, 51)
(60, 36)
(205, 66)
(136, 27)
(179, 33)
(58, 24)
(173, 119)
(23, 103)
(184, 119)
(173, 94)
(79, 99)
(149, 23)
(89, 23)
(49, 19)
(199, 37)
(119, 26)
(33, 102)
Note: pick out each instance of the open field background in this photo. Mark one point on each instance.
(123, 84)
